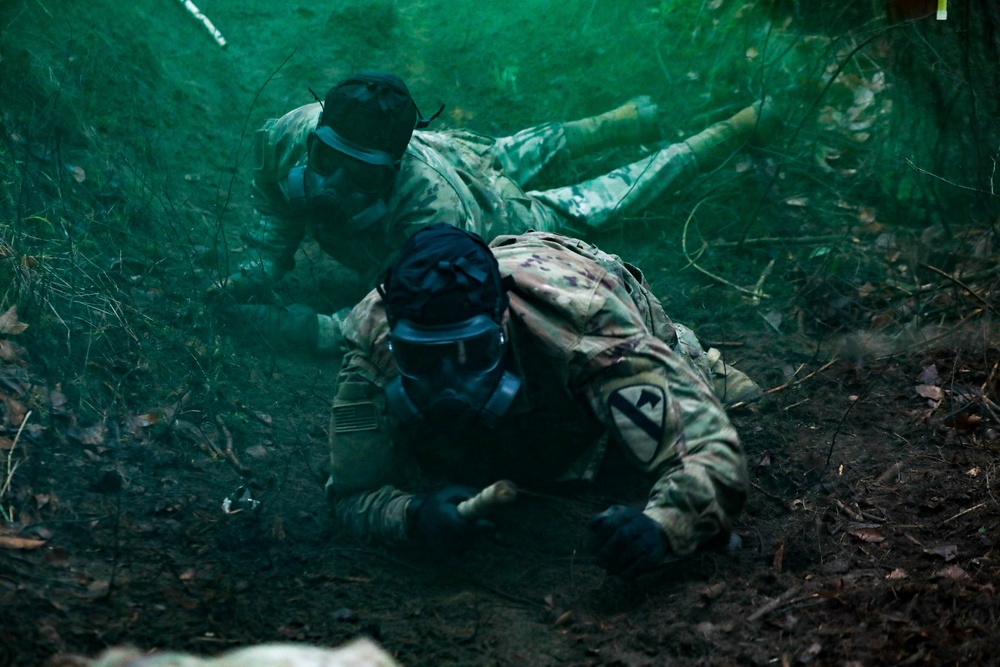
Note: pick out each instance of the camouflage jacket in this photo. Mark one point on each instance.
(594, 350)
(453, 176)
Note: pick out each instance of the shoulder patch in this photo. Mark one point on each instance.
(351, 417)
(639, 412)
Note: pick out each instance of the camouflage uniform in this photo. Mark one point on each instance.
(459, 177)
(598, 357)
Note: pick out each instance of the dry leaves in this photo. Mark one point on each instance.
(867, 532)
(12, 542)
(9, 324)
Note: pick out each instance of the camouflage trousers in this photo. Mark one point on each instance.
(593, 204)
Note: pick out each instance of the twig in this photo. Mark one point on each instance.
(772, 496)
(958, 282)
(228, 452)
(843, 418)
(692, 262)
(991, 407)
(11, 466)
(774, 604)
(891, 473)
(216, 35)
(848, 511)
(784, 240)
(945, 180)
(790, 384)
(197, 435)
(757, 289)
(964, 512)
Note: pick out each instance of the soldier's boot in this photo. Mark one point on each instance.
(731, 385)
(634, 122)
(756, 125)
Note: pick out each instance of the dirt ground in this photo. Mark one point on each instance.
(869, 534)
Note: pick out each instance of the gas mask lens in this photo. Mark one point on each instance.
(471, 348)
(359, 176)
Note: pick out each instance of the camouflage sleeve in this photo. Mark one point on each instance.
(362, 467)
(670, 423)
(277, 232)
(363, 462)
(271, 244)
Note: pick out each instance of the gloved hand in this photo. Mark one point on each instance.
(244, 286)
(295, 326)
(627, 542)
(433, 519)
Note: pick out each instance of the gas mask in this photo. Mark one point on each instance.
(342, 183)
(451, 375)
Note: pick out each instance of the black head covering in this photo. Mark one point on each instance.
(443, 275)
(374, 110)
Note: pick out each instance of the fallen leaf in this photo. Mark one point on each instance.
(965, 422)
(136, 422)
(98, 587)
(11, 352)
(11, 542)
(91, 435)
(706, 628)
(79, 175)
(929, 391)
(866, 215)
(868, 534)
(929, 375)
(15, 410)
(9, 324)
(897, 574)
(952, 572)
(57, 399)
(256, 451)
(948, 552)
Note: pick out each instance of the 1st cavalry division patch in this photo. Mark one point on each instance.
(639, 412)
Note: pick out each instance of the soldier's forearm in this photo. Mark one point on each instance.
(375, 516)
(271, 243)
(697, 501)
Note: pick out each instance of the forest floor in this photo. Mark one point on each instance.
(869, 535)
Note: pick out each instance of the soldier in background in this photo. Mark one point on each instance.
(354, 174)
(531, 359)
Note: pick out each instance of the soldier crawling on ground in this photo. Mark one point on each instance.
(533, 359)
(360, 174)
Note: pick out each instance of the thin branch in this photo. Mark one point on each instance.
(708, 273)
(945, 180)
(958, 282)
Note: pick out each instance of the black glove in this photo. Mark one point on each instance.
(627, 542)
(433, 519)
(294, 326)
